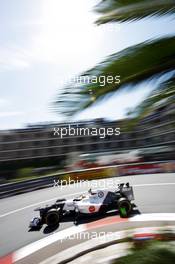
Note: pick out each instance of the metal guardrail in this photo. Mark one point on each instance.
(10, 189)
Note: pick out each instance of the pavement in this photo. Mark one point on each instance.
(105, 255)
(153, 194)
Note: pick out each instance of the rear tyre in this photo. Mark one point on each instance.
(52, 218)
(124, 207)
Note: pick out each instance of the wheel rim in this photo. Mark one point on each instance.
(124, 208)
(123, 211)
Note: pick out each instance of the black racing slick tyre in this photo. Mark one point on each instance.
(52, 217)
(124, 207)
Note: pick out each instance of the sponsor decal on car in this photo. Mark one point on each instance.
(91, 209)
(100, 194)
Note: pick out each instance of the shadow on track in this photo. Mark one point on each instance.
(85, 219)
(48, 229)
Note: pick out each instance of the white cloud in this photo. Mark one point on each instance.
(54, 39)
(13, 58)
(61, 33)
(3, 102)
(10, 113)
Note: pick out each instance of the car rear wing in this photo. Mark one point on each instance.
(127, 191)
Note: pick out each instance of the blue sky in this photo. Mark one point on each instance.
(43, 42)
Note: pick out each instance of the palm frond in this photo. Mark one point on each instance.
(135, 64)
(165, 92)
(163, 95)
(129, 10)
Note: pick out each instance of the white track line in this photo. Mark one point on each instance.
(35, 204)
(37, 245)
(153, 217)
(154, 184)
(46, 201)
(67, 233)
(31, 248)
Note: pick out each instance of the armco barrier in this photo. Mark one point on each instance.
(88, 174)
(21, 187)
(10, 189)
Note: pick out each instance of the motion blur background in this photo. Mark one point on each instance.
(44, 44)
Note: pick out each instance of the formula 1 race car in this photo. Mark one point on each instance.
(95, 202)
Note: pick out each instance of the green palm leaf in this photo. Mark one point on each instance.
(164, 93)
(130, 10)
(135, 64)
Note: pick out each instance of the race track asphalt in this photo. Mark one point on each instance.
(154, 193)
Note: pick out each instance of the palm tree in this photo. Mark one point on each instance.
(129, 10)
(134, 65)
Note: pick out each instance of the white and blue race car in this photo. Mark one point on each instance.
(94, 202)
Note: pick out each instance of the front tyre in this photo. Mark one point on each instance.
(52, 218)
(124, 207)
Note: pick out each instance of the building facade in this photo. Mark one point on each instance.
(41, 143)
